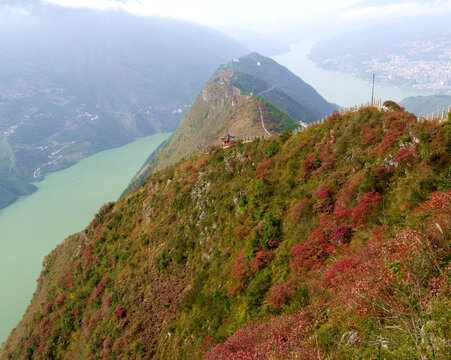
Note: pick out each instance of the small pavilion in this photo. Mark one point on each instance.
(227, 139)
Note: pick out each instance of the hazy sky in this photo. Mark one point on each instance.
(255, 13)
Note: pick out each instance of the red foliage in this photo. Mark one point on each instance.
(396, 125)
(334, 230)
(381, 170)
(339, 271)
(369, 135)
(207, 343)
(68, 284)
(348, 193)
(283, 337)
(311, 253)
(309, 163)
(264, 165)
(326, 155)
(369, 282)
(323, 193)
(280, 293)
(87, 251)
(260, 260)
(97, 290)
(60, 299)
(406, 154)
(325, 203)
(364, 207)
(119, 312)
(335, 115)
(239, 267)
(341, 234)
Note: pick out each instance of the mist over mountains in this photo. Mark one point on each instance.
(77, 81)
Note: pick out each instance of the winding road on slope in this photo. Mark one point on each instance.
(263, 122)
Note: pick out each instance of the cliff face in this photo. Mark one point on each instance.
(331, 243)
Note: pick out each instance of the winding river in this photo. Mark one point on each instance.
(340, 88)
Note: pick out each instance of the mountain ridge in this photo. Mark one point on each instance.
(246, 80)
(312, 245)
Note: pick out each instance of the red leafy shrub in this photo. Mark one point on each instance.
(339, 271)
(393, 278)
(437, 220)
(393, 106)
(325, 203)
(119, 312)
(364, 207)
(326, 156)
(348, 193)
(60, 299)
(310, 163)
(390, 138)
(279, 294)
(406, 154)
(239, 267)
(260, 260)
(97, 290)
(283, 337)
(334, 116)
(207, 343)
(323, 193)
(396, 125)
(87, 251)
(328, 162)
(333, 231)
(68, 284)
(311, 253)
(341, 234)
(369, 135)
(264, 165)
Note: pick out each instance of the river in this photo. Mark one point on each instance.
(340, 88)
(64, 204)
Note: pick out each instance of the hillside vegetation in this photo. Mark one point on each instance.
(259, 74)
(222, 107)
(234, 100)
(333, 243)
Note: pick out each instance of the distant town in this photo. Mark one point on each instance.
(418, 64)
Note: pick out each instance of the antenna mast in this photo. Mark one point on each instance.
(372, 92)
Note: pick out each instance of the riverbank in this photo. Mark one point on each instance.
(64, 204)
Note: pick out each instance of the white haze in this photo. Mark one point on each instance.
(266, 16)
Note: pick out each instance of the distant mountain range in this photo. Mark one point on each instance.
(241, 96)
(425, 105)
(76, 81)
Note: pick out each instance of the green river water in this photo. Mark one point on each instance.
(64, 204)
